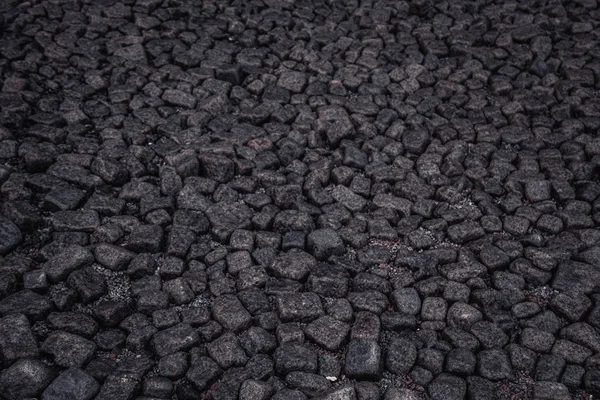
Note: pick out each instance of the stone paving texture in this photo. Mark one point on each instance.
(279, 199)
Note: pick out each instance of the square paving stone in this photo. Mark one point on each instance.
(364, 360)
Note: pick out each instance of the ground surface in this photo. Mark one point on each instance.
(277, 199)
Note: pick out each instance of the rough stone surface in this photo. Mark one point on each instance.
(324, 243)
(299, 306)
(68, 260)
(10, 236)
(230, 313)
(341, 200)
(576, 276)
(25, 378)
(328, 332)
(74, 384)
(364, 360)
(446, 386)
(17, 340)
(180, 337)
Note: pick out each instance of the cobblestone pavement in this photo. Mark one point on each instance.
(278, 199)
